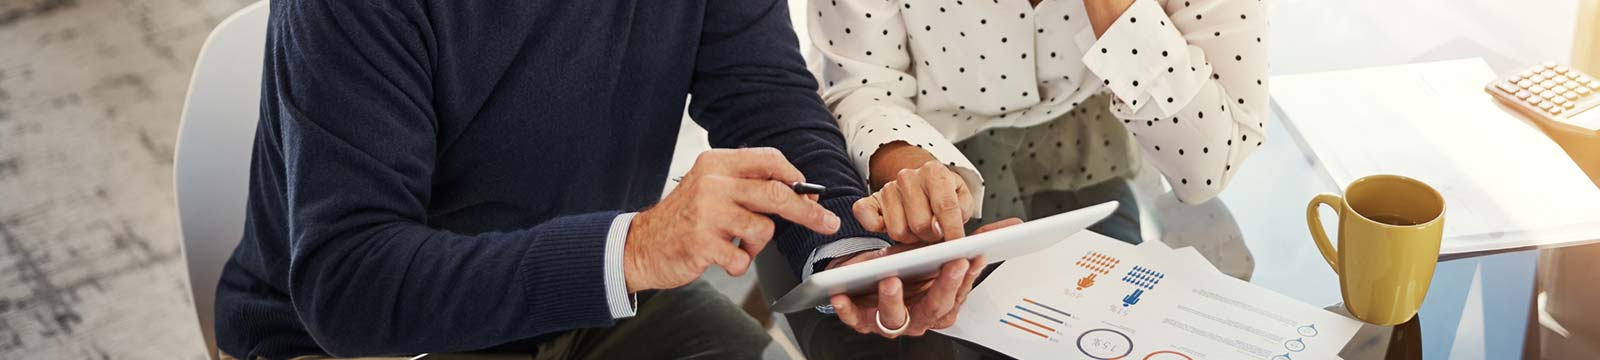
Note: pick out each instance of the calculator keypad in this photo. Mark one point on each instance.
(1556, 90)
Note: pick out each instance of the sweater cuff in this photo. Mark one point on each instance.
(563, 271)
(1136, 51)
(798, 243)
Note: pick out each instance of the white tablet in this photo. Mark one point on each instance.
(998, 245)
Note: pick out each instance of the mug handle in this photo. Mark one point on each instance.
(1314, 220)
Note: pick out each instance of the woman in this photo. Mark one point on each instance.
(1039, 106)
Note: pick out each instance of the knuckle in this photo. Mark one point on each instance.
(944, 204)
(889, 187)
(760, 229)
(941, 176)
(710, 156)
(905, 174)
(776, 193)
(899, 233)
(717, 181)
(862, 206)
(697, 261)
(771, 154)
(763, 151)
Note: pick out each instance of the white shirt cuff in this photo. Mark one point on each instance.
(1134, 54)
(839, 248)
(623, 304)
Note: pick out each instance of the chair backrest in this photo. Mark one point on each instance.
(212, 162)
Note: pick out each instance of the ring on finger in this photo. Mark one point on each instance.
(878, 316)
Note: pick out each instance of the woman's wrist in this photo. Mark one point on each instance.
(890, 158)
(1102, 13)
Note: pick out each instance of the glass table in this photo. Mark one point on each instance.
(1256, 231)
(1477, 307)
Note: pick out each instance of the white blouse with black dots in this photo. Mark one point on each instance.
(1188, 78)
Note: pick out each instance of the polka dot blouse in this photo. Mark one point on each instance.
(1187, 78)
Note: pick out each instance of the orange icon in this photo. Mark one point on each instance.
(1086, 281)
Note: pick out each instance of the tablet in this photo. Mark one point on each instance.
(996, 246)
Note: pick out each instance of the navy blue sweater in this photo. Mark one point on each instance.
(438, 176)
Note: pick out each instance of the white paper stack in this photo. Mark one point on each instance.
(1093, 297)
(1505, 184)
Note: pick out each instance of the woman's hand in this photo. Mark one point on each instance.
(928, 203)
(929, 303)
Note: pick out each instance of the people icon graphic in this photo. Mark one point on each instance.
(1132, 298)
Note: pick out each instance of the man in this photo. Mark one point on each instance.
(459, 176)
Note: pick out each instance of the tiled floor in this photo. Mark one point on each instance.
(90, 94)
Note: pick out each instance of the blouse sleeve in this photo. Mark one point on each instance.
(868, 87)
(1190, 84)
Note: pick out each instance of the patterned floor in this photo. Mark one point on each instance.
(90, 93)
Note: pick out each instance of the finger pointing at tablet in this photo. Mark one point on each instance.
(929, 203)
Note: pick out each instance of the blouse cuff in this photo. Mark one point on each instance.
(1132, 56)
(880, 126)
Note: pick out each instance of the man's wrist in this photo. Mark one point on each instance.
(630, 262)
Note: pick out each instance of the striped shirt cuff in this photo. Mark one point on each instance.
(839, 248)
(623, 304)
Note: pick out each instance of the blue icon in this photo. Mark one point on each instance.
(1132, 298)
(1284, 356)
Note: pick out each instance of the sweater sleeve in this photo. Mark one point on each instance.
(1190, 83)
(751, 88)
(348, 88)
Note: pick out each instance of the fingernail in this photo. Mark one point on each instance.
(831, 222)
(892, 290)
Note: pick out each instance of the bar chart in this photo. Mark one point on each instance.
(1034, 318)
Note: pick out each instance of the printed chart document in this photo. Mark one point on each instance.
(1093, 297)
(1505, 183)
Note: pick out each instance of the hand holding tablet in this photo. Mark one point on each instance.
(862, 276)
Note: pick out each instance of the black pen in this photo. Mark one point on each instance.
(802, 188)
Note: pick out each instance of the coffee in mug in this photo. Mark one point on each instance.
(1389, 232)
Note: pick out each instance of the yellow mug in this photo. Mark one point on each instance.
(1389, 232)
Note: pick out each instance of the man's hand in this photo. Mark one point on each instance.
(933, 303)
(928, 203)
(722, 198)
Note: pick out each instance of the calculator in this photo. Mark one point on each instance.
(1552, 92)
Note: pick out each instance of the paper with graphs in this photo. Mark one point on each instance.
(1093, 297)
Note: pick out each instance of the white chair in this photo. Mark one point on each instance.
(212, 162)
